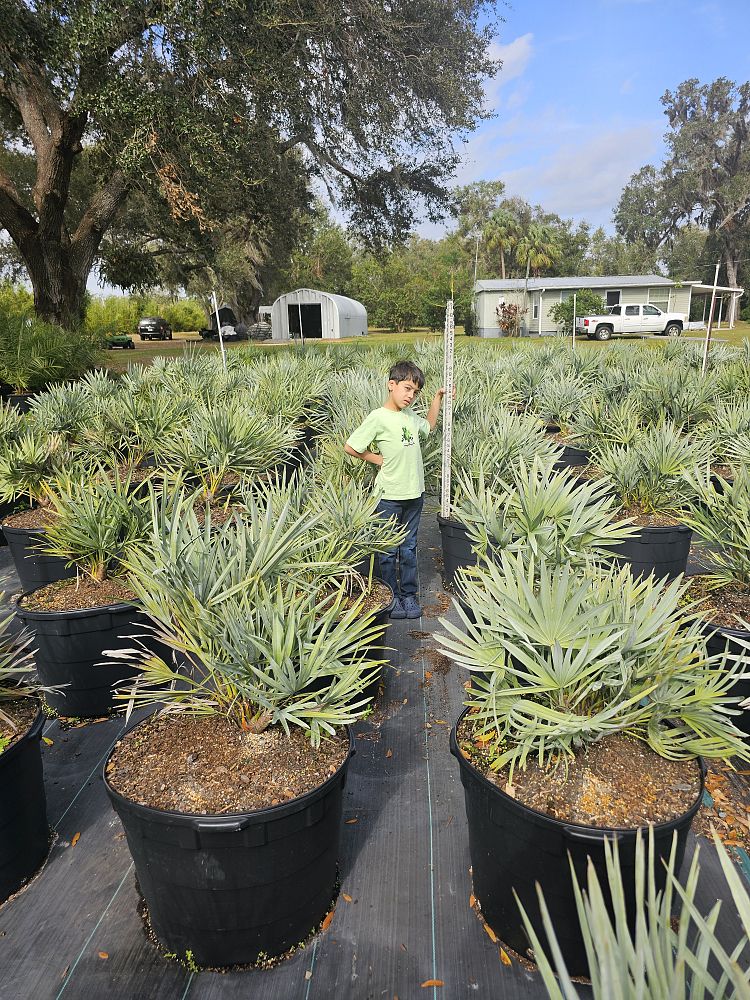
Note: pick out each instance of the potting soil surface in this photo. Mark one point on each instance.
(403, 925)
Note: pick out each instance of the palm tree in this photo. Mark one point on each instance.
(502, 232)
(537, 248)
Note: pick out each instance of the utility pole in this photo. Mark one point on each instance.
(573, 332)
(710, 318)
(476, 257)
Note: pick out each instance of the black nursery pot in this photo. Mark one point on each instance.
(572, 458)
(70, 649)
(513, 847)
(6, 509)
(720, 639)
(230, 887)
(661, 550)
(457, 551)
(21, 400)
(378, 651)
(34, 568)
(24, 833)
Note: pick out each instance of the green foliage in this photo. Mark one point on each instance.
(96, 522)
(193, 164)
(34, 354)
(120, 314)
(30, 465)
(587, 303)
(651, 474)
(488, 445)
(721, 517)
(540, 514)
(15, 301)
(268, 642)
(17, 672)
(672, 949)
(570, 657)
(223, 439)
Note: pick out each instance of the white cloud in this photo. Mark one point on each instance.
(584, 178)
(515, 57)
(626, 87)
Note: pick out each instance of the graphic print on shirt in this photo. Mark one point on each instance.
(406, 437)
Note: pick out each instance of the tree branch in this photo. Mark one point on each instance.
(96, 220)
(19, 222)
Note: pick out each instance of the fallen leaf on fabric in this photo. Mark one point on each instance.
(389, 753)
(103, 954)
(76, 838)
(427, 674)
(346, 897)
(351, 820)
(510, 790)
(505, 957)
(472, 900)
(440, 722)
(48, 741)
(404, 948)
(490, 933)
(432, 982)
(327, 922)
(308, 974)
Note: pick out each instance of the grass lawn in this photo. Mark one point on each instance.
(146, 351)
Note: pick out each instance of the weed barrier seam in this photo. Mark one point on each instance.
(91, 935)
(311, 969)
(188, 984)
(97, 768)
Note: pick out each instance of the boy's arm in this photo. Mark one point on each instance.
(434, 410)
(366, 456)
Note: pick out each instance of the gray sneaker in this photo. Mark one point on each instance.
(412, 608)
(397, 609)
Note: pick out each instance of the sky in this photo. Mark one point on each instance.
(577, 102)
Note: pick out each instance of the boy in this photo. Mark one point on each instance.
(400, 482)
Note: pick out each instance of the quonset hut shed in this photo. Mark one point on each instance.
(322, 315)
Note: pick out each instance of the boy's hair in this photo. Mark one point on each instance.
(404, 370)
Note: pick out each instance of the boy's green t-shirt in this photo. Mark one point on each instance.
(396, 435)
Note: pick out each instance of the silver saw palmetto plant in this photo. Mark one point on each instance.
(564, 658)
(17, 671)
(257, 636)
(671, 950)
(545, 514)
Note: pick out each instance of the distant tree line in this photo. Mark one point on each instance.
(247, 225)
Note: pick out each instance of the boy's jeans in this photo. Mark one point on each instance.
(406, 512)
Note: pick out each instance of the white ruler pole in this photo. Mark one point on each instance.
(218, 330)
(710, 318)
(450, 344)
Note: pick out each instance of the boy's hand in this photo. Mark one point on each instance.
(434, 410)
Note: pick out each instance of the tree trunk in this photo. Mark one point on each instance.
(731, 261)
(59, 294)
(502, 263)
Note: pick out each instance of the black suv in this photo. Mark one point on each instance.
(154, 328)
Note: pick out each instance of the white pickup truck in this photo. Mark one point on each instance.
(630, 319)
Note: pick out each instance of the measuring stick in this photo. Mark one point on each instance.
(450, 344)
(218, 330)
(710, 319)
